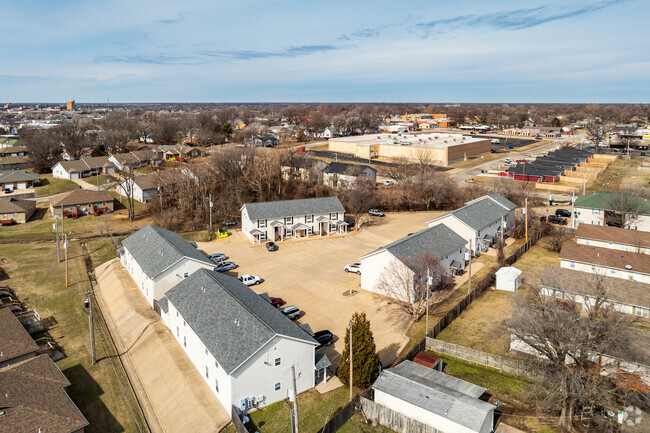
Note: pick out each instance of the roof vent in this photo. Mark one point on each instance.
(628, 267)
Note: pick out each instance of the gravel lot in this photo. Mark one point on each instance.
(309, 273)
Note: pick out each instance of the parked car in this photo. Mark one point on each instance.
(389, 183)
(554, 219)
(271, 246)
(542, 219)
(508, 160)
(223, 232)
(539, 138)
(249, 280)
(523, 161)
(376, 212)
(353, 267)
(292, 312)
(496, 141)
(276, 302)
(218, 257)
(324, 338)
(225, 266)
(8, 190)
(493, 151)
(563, 213)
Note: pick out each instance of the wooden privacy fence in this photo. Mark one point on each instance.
(393, 420)
(341, 417)
(508, 365)
(239, 425)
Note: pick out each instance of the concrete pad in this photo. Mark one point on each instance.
(309, 273)
(172, 392)
(332, 384)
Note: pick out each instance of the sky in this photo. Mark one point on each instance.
(334, 51)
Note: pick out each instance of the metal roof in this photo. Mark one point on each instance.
(600, 200)
(156, 249)
(230, 319)
(446, 396)
(290, 208)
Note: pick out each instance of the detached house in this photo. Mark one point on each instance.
(157, 259)
(18, 179)
(480, 221)
(243, 347)
(149, 185)
(342, 175)
(392, 261)
(81, 168)
(277, 220)
(136, 159)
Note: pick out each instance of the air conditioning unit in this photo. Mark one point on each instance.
(260, 399)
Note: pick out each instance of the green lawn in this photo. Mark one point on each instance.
(40, 283)
(51, 186)
(314, 409)
(103, 178)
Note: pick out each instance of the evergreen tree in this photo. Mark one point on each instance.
(365, 361)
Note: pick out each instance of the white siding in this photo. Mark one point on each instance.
(614, 245)
(606, 271)
(175, 274)
(587, 301)
(248, 225)
(59, 172)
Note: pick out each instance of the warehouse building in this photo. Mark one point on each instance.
(442, 149)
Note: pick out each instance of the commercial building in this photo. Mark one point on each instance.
(442, 149)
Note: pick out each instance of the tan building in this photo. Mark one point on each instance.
(71, 105)
(442, 149)
(16, 211)
(81, 202)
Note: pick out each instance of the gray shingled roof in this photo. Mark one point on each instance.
(156, 249)
(289, 208)
(481, 213)
(18, 176)
(230, 319)
(436, 392)
(502, 201)
(440, 240)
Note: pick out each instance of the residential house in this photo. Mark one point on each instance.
(33, 394)
(16, 211)
(389, 264)
(480, 221)
(135, 159)
(599, 209)
(635, 241)
(13, 151)
(15, 162)
(277, 220)
(180, 152)
(604, 261)
(243, 347)
(158, 259)
(18, 180)
(424, 396)
(81, 202)
(150, 185)
(624, 296)
(303, 168)
(342, 175)
(82, 168)
(266, 140)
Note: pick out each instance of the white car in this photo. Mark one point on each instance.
(249, 280)
(353, 267)
(389, 183)
(496, 141)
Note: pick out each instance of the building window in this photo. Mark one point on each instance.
(277, 386)
(263, 236)
(587, 242)
(185, 341)
(216, 364)
(277, 362)
(310, 230)
(185, 275)
(572, 265)
(207, 372)
(332, 227)
(334, 215)
(309, 218)
(206, 350)
(261, 223)
(557, 293)
(178, 333)
(184, 323)
(216, 385)
(288, 220)
(177, 316)
(288, 232)
(593, 268)
(612, 271)
(641, 312)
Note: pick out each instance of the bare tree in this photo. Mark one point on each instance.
(359, 198)
(556, 238)
(404, 283)
(44, 149)
(73, 135)
(126, 182)
(623, 208)
(595, 133)
(565, 340)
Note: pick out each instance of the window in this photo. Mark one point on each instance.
(288, 220)
(185, 275)
(206, 351)
(184, 323)
(310, 230)
(277, 362)
(216, 385)
(216, 364)
(557, 293)
(177, 316)
(332, 227)
(261, 223)
(612, 271)
(309, 218)
(288, 232)
(277, 386)
(572, 264)
(333, 215)
(207, 372)
(593, 268)
(587, 242)
(185, 341)
(178, 333)
(263, 236)
(641, 312)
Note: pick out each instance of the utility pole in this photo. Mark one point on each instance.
(90, 324)
(351, 360)
(469, 277)
(65, 247)
(295, 400)
(584, 184)
(428, 291)
(502, 230)
(526, 214)
(58, 248)
(210, 211)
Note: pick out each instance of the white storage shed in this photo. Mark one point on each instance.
(508, 279)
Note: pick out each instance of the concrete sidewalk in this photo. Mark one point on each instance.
(173, 394)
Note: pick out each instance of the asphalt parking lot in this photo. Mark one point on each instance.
(505, 141)
(309, 274)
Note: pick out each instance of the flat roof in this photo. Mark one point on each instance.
(434, 140)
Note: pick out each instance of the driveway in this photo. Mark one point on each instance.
(309, 273)
(172, 392)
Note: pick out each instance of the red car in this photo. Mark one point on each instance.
(276, 302)
(523, 161)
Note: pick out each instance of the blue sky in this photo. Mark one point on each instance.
(314, 51)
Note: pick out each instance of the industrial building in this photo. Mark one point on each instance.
(442, 149)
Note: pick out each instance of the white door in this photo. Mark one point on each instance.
(74, 175)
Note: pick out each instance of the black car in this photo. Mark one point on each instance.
(554, 219)
(542, 219)
(271, 246)
(324, 338)
(563, 213)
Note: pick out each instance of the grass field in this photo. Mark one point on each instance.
(103, 178)
(40, 283)
(622, 173)
(51, 186)
(358, 425)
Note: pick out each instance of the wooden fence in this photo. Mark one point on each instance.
(341, 417)
(239, 425)
(393, 420)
